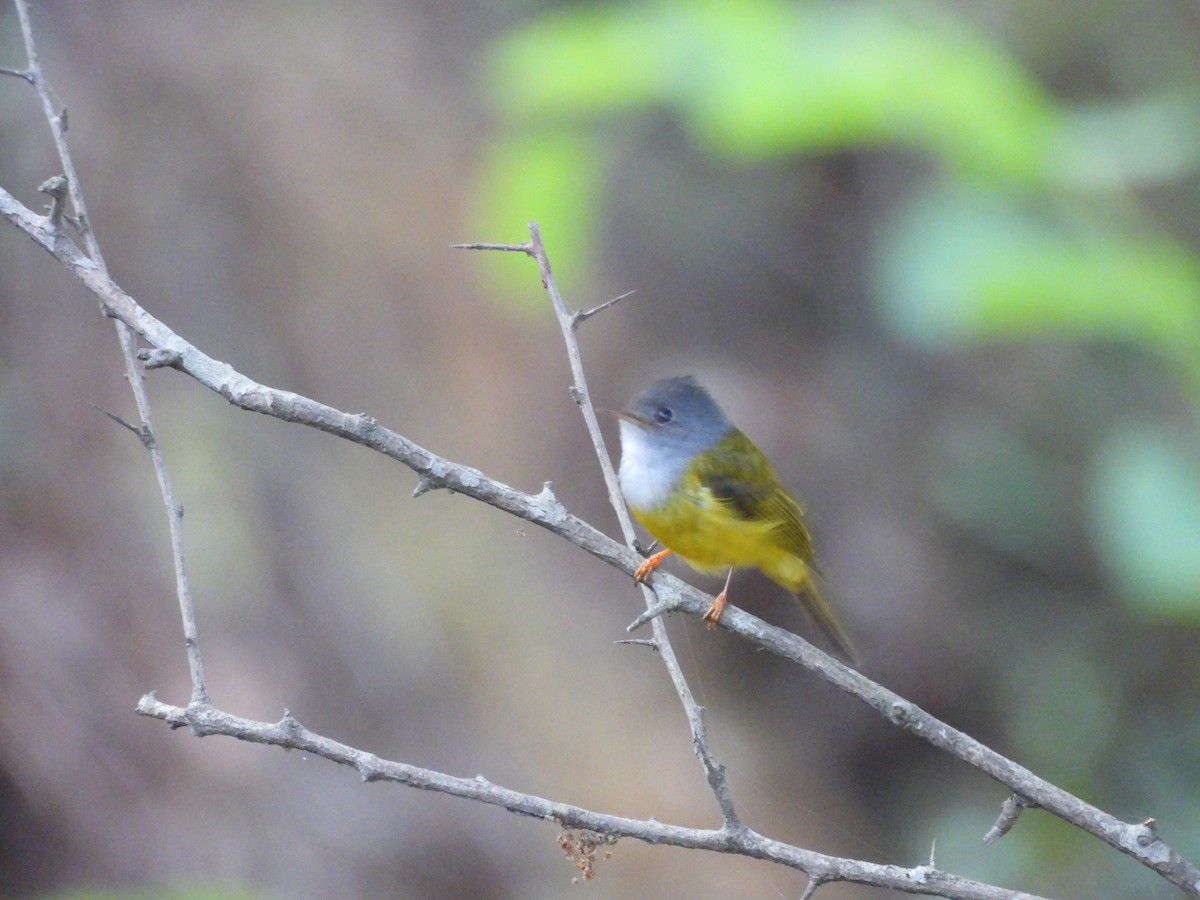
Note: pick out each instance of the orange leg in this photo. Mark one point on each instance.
(649, 565)
(713, 616)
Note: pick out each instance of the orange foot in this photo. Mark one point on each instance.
(713, 616)
(649, 565)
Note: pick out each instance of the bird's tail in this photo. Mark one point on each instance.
(821, 616)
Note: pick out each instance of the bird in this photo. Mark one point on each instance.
(707, 493)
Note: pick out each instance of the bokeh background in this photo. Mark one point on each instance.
(940, 260)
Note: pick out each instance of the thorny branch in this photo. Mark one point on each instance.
(203, 720)
(569, 322)
(59, 188)
(545, 510)
(167, 349)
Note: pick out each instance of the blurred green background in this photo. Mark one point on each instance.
(940, 260)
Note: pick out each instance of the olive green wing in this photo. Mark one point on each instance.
(738, 474)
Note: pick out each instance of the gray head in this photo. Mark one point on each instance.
(677, 413)
(662, 430)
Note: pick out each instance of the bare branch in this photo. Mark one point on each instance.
(133, 374)
(202, 719)
(568, 322)
(361, 429)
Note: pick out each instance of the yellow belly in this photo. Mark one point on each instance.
(711, 538)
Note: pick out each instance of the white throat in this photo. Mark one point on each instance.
(647, 475)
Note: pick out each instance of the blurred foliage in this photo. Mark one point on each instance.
(549, 176)
(1024, 228)
(758, 79)
(960, 265)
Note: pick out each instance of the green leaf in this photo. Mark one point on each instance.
(962, 265)
(755, 79)
(576, 63)
(550, 176)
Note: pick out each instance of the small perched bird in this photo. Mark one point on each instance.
(706, 492)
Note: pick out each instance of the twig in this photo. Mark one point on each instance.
(582, 315)
(653, 612)
(568, 322)
(639, 642)
(527, 249)
(202, 719)
(1010, 809)
(24, 74)
(58, 128)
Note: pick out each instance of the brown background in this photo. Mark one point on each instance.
(281, 184)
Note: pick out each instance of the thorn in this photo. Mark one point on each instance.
(642, 642)
(583, 315)
(526, 248)
(140, 433)
(23, 74)
(933, 855)
(425, 485)
(652, 613)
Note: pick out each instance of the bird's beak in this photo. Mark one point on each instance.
(628, 415)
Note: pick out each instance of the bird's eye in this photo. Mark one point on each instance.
(663, 415)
